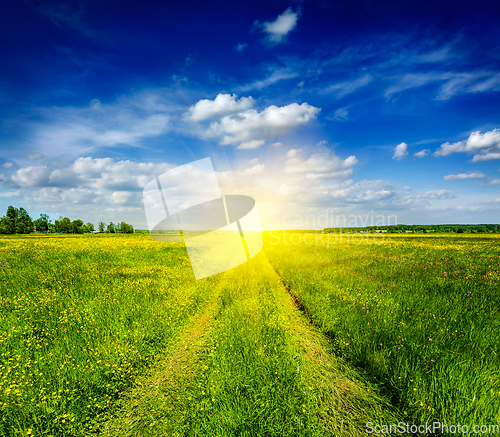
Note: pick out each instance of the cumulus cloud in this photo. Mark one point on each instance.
(278, 29)
(222, 105)
(251, 125)
(470, 175)
(8, 165)
(484, 147)
(9, 194)
(486, 157)
(277, 144)
(368, 192)
(99, 173)
(320, 165)
(422, 154)
(400, 151)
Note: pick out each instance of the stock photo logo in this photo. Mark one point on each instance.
(220, 231)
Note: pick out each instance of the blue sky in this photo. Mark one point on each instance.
(355, 108)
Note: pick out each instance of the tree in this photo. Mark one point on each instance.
(101, 226)
(76, 226)
(63, 225)
(11, 219)
(24, 223)
(42, 223)
(16, 221)
(111, 228)
(4, 227)
(90, 226)
(125, 228)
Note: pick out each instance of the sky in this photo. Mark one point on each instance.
(383, 111)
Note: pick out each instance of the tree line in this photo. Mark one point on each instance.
(458, 229)
(18, 221)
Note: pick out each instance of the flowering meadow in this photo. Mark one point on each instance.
(81, 316)
(417, 314)
(111, 335)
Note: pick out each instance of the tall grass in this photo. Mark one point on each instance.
(419, 315)
(260, 372)
(81, 316)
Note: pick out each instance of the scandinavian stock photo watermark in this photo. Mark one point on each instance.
(337, 229)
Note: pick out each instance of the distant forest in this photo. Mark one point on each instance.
(458, 229)
(18, 221)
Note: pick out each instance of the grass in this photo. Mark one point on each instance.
(82, 316)
(110, 335)
(262, 371)
(417, 314)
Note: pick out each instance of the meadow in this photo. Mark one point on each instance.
(417, 314)
(111, 335)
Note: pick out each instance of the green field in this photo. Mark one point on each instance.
(111, 335)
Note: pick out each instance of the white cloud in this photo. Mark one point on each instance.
(470, 175)
(341, 89)
(434, 56)
(8, 165)
(411, 80)
(254, 144)
(341, 114)
(485, 147)
(422, 154)
(35, 156)
(31, 176)
(9, 194)
(320, 165)
(222, 105)
(493, 182)
(477, 82)
(455, 83)
(256, 169)
(277, 144)
(278, 29)
(470, 208)
(241, 47)
(400, 151)
(80, 130)
(98, 173)
(252, 125)
(486, 157)
(121, 197)
(274, 77)
(436, 194)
